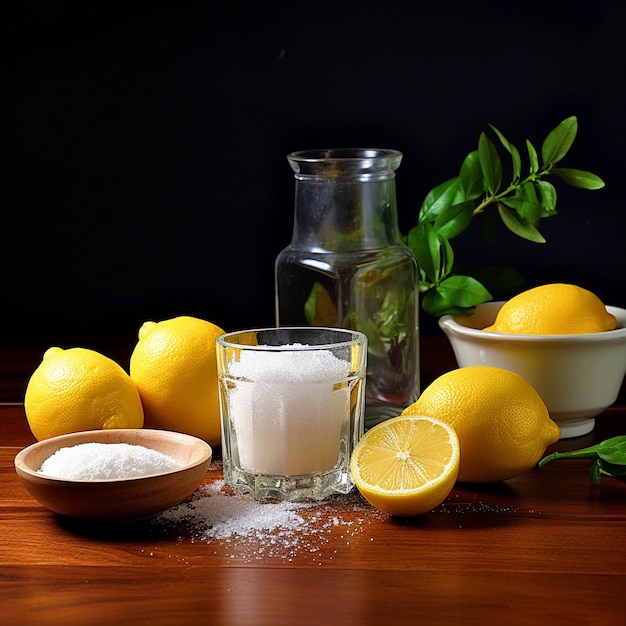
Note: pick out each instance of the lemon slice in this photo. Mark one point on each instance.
(406, 465)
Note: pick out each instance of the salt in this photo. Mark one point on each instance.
(288, 409)
(106, 461)
(295, 363)
(251, 530)
(224, 515)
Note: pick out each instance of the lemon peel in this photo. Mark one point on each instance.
(501, 421)
(79, 389)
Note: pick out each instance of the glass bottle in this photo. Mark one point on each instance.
(347, 267)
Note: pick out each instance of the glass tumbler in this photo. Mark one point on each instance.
(292, 406)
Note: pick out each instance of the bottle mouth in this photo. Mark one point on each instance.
(360, 163)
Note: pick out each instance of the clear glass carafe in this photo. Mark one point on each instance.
(347, 267)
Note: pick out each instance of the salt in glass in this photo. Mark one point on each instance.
(292, 410)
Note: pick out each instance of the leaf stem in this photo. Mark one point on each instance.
(583, 453)
(484, 204)
(510, 189)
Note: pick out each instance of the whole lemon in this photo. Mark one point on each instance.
(80, 389)
(174, 365)
(554, 309)
(502, 423)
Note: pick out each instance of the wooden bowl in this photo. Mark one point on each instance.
(116, 500)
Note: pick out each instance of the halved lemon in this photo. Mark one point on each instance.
(406, 465)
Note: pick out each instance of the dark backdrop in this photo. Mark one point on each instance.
(143, 170)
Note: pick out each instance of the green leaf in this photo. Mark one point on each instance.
(558, 142)
(319, 308)
(513, 151)
(375, 345)
(433, 241)
(526, 203)
(607, 458)
(436, 305)
(389, 317)
(532, 158)
(455, 219)
(595, 472)
(471, 177)
(578, 178)
(309, 305)
(613, 450)
(447, 257)
(418, 242)
(438, 199)
(615, 470)
(490, 164)
(546, 195)
(463, 291)
(518, 225)
(433, 253)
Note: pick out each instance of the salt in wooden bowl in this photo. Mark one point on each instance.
(117, 499)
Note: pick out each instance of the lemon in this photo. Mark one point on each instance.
(554, 309)
(501, 421)
(80, 389)
(406, 465)
(174, 366)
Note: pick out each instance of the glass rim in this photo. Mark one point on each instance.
(362, 164)
(356, 338)
(343, 154)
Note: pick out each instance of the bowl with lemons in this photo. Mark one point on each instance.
(562, 338)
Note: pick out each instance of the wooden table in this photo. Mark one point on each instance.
(545, 548)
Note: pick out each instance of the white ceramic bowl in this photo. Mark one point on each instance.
(116, 500)
(578, 376)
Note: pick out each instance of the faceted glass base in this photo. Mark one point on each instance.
(290, 488)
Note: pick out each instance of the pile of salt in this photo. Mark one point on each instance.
(106, 461)
(220, 515)
(250, 530)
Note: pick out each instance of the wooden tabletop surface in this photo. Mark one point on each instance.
(545, 547)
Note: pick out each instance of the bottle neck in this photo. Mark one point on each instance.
(345, 200)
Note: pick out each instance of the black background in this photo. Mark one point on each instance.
(143, 153)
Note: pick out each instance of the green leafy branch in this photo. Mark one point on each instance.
(521, 204)
(608, 458)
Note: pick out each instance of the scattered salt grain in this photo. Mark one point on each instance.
(106, 461)
(222, 515)
(250, 529)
